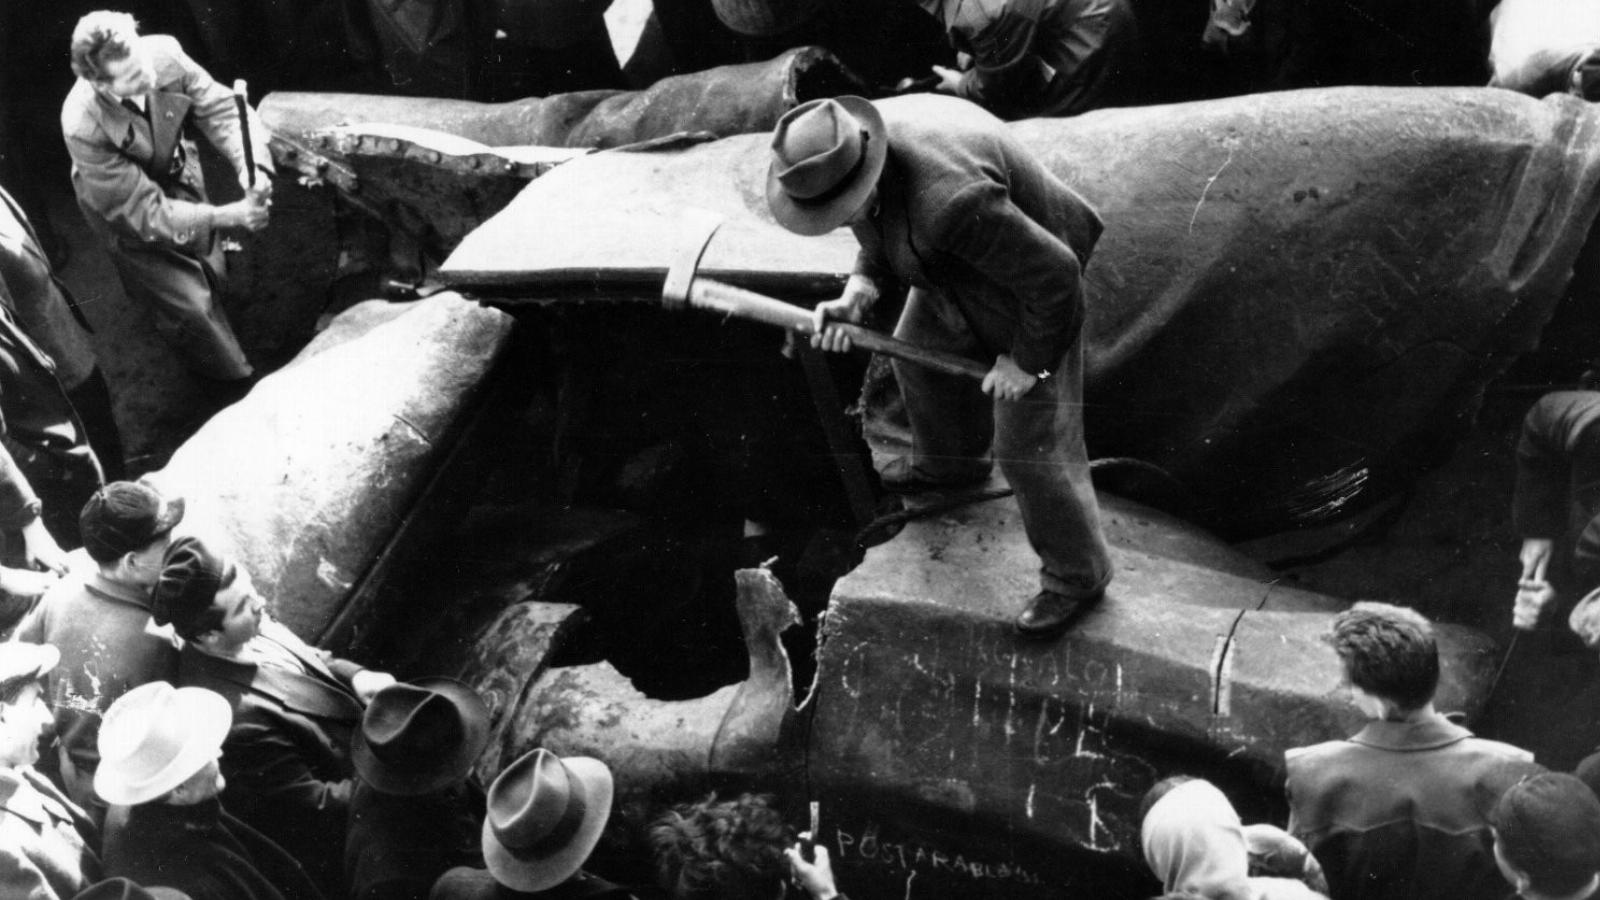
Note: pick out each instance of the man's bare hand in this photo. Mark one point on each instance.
(852, 305)
(1007, 382)
(1532, 597)
(42, 549)
(251, 213)
(368, 682)
(949, 79)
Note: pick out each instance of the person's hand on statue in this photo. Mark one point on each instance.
(816, 877)
(1006, 381)
(368, 682)
(852, 305)
(42, 548)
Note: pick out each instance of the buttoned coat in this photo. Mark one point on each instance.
(287, 756)
(46, 842)
(138, 181)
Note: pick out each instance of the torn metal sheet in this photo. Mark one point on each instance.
(1296, 302)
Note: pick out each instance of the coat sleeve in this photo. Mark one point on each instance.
(1005, 71)
(112, 186)
(982, 228)
(263, 761)
(217, 116)
(1540, 502)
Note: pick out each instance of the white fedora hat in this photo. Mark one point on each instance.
(155, 737)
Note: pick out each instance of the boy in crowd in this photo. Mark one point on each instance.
(735, 849)
(1547, 838)
(1398, 811)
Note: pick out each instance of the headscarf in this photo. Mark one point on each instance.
(1194, 842)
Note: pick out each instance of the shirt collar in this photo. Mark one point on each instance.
(1428, 734)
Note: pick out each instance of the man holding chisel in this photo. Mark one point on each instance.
(138, 181)
(992, 244)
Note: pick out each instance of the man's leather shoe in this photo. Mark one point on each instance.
(1049, 613)
(901, 477)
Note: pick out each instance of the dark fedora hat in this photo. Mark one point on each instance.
(545, 815)
(826, 159)
(419, 737)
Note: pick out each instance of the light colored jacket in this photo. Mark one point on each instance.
(124, 168)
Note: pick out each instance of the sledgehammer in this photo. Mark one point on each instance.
(685, 289)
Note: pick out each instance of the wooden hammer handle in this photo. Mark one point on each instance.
(729, 300)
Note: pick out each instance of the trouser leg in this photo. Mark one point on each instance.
(1039, 444)
(92, 400)
(182, 292)
(951, 424)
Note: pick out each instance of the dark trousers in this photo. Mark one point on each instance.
(1037, 440)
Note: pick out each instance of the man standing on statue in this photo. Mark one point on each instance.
(943, 199)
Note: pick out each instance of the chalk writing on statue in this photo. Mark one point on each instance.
(912, 857)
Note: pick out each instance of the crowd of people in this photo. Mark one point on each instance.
(160, 733)
(1411, 806)
(162, 736)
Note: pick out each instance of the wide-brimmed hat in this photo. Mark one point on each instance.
(418, 738)
(545, 815)
(22, 661)
(826, 159)
(123, 889)
(125, 516)
(155, 737)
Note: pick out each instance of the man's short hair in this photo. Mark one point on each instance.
(721, 851)
(192, 574)
(100, 37)
(1389, 652)
(126, 517)
(1548, 827)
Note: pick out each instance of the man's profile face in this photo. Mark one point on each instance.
(132, 76)
(23, 723)
(202, 785)
(242, 610)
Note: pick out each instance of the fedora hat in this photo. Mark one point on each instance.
(22, 661)
(155, 737)
(545, 815)
(826, 158)
(418, 738)
(123, 889)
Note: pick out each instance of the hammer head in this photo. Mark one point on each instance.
(698, 229)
